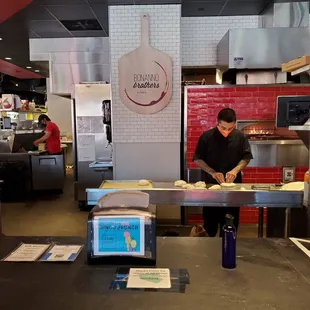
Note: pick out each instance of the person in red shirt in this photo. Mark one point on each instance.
(51, 136)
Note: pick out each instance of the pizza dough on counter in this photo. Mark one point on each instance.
(144, 182)
(215, 187)
(201, 184)
(293, 186)
(179, 183)
(228, 185)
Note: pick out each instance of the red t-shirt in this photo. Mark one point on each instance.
(53, 142)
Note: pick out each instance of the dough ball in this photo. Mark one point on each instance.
(200, 187)
(179, 183)
(242, 188)
(215, 187)
(144, 182)
(201, 184)
(228, 185)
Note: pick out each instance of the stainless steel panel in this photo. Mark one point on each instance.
(166, 193)
(262, 48)
(261, 77)
(278, 154)
(64, 76)
(289, 14)
(93, 44)
(73, 61)
(87, 119)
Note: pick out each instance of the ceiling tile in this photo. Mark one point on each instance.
(36, 12)
(101, 13)
(244, 7)
(67, 12)
(54, 34)
(46, 26)
(59, 2)
(33, 35)
(198, 8)
(115, 2)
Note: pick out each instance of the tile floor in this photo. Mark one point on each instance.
(60, 216)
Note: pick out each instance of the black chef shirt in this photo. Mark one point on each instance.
(222, 154)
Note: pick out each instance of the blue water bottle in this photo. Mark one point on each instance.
(229, 243)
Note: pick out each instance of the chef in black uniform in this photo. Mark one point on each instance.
(222, 153)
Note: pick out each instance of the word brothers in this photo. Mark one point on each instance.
(146, 81)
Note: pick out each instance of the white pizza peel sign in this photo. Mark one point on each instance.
(145, 76)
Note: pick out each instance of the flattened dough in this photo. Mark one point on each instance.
(144, 182)
(293, 186)
(201, 184)
(228, 185)
(179, 183)
(215, 187)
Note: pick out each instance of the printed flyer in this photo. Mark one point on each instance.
(119, 235)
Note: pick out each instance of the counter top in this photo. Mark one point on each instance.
(270, 274)
(167, 193)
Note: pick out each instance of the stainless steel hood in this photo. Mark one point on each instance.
(73, 61)
(268, 48)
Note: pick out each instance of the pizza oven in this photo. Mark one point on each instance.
(272, 146)
(265, 130)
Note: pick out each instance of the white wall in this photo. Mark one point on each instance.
(59, 110)
(146, 145)
(200, 36)
(125, 32)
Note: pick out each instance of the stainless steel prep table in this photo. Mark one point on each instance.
(270, 274)
(167, 193)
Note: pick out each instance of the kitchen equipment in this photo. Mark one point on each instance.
(5, 122)
(145, 76)
(272, 146)
(292, 111)
(92, 159)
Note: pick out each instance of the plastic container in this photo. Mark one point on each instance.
(229, 243)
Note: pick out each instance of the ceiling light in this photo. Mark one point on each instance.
(0, 39)
(8, 58)
(28, 67)
(36, 70)
(16, 85)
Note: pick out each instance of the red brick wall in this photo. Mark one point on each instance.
(250, 103)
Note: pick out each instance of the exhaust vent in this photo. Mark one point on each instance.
(82, 24)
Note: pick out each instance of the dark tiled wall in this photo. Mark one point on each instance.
(250, 103)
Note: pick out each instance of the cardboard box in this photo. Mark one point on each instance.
(295, 64)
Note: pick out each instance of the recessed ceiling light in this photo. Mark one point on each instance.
(16, 85)
(37, 70)
(8, 58)
(0, 39)
(28, 67)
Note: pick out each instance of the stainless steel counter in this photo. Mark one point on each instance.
(166, 193)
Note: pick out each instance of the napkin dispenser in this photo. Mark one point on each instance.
(122, 234)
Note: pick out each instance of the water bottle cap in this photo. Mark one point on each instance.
(229, 219)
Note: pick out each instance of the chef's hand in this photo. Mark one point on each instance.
(35, 143)
(230, 176)
(219, 177)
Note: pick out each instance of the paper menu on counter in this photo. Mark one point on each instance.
(26, 252)
(149, 278)
(62, 253)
